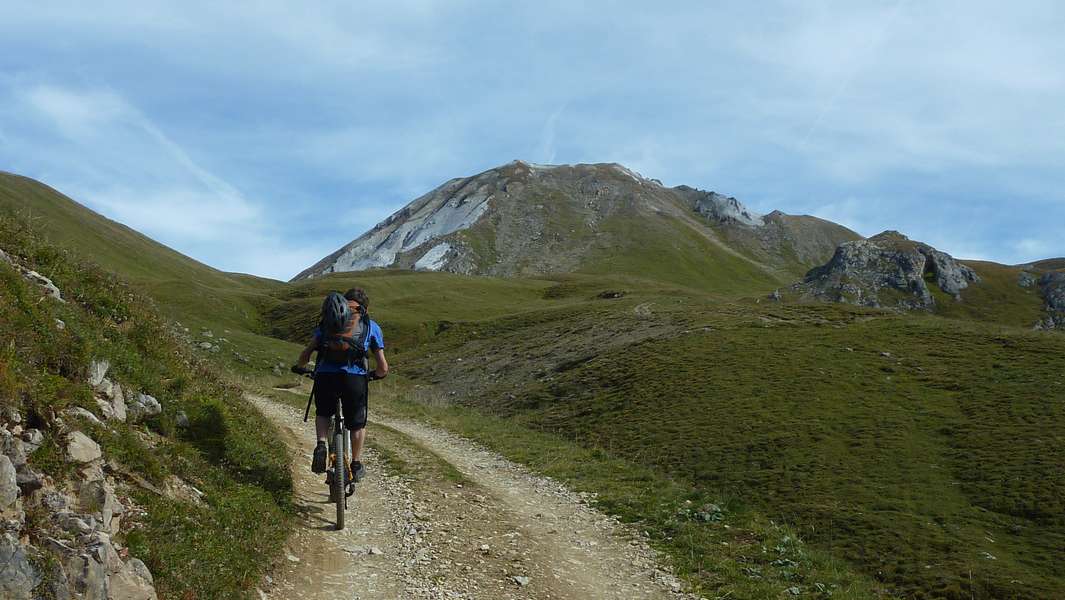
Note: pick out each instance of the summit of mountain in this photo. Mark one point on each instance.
(527, 219)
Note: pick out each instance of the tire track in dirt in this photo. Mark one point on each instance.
(440, 517)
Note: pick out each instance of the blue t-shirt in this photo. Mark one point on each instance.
(374, 341)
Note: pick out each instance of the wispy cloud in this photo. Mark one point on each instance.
(137, 174)
(227, 132)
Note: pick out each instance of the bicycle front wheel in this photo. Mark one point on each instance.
(340, 475)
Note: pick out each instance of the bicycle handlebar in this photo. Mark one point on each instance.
(309, 373)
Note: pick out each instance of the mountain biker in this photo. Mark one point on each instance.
(347, 381)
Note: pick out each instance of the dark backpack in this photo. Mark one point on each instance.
(340, 319)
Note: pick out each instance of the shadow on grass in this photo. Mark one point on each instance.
(211, 431)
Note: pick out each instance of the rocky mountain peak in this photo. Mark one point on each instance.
(524, 218)
(887, 270)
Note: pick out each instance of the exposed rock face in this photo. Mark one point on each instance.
(142, 407)
(82, 449)
(1052, 286)
(133, 582)
(8, 483)
(456, 205)
(98, 372)
(887, 270)
(47, 287)
(76, 556)
(17, 575)
(45, 284)
(723, 209)
(525, 219)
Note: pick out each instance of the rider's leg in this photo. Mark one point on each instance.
(321, 428)
(358, 438)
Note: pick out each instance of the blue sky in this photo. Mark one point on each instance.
(258, 137)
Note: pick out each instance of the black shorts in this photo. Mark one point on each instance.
(352, 391)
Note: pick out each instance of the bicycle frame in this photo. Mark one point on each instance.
(340, 452)
(339, 477)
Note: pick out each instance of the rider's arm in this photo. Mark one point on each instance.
(381, 368)
(305, 356)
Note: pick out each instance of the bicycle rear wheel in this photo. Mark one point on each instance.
(340, 473)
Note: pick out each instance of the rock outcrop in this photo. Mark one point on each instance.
(887, 270)
(720, 208)
(45, 284)
(142, 407)
(1052, 286)
(74, 550)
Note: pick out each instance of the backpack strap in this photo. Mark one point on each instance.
(357, 352)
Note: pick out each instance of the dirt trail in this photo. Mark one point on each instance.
(440, 517)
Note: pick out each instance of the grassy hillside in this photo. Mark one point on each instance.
(925, 450)
(226, 450)
(188, 291)
(916, 455)
(189, 288)
(411, 307)
(671, 251)
(996, 298)
(1051, 264)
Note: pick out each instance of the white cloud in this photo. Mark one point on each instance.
(224, 120)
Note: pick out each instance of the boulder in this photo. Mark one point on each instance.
(133, 582)
(29, 480)
(142, 407)
(1052, 286)
(105, 387)
(98, 371)
(98, 498)
(106, 409)
(118, 403)
(57, 501)
(103, 551)
(9, 490)
(19, 577)
(79, 412)
(12, 447)
(886, 270)
(32, 440)
(82, 449)
(45, 284)
(72, 523)
(113, 405)
(87, 577)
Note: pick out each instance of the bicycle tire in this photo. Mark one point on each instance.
(340, 471)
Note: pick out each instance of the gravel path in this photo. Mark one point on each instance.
(458, 521)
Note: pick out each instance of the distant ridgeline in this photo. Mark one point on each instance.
(529, 220)
(523, 219)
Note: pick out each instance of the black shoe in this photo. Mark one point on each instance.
(320, 455)
(358, 471)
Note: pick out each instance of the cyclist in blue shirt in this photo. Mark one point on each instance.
(346, 380)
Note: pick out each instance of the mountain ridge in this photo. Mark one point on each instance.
(522, 219)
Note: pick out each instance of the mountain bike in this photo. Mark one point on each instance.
(338, 475)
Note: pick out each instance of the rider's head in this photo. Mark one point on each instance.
(358, 295)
